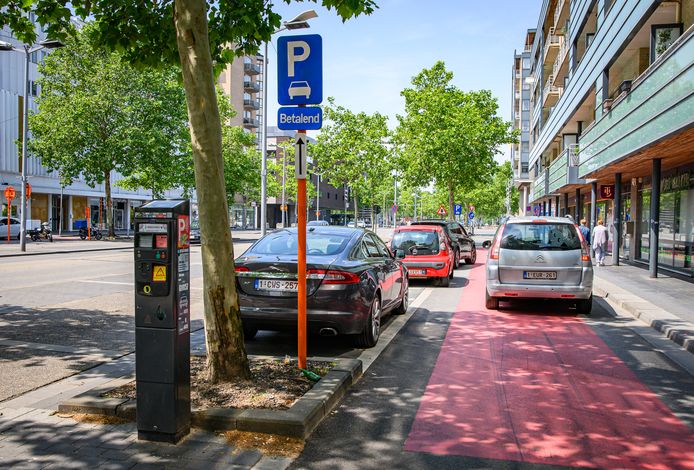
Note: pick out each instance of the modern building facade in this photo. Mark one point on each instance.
(520, 117)
(242, 82)
(612, 124)
(63, 207)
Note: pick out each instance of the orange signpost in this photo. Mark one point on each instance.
(89, 223)
(28, 187)
(9, 195)
(301, 169)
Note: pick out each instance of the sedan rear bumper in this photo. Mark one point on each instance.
(274, 318)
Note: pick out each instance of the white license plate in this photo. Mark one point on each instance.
(276, 285)
(539, 274)
(417, 272)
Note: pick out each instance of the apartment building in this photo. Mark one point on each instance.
(520, 117)
(64, 207)
(242, 82)
(611, 124)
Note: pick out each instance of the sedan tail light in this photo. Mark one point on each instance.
(241, 269)
(331, 276)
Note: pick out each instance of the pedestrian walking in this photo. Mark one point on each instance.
(585, 231)
(600, 237)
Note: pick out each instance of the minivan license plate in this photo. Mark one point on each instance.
(539, 274)
(276, 285)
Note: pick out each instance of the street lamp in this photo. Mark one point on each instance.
(298, 22)
(28, 50)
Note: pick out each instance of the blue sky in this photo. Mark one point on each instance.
(367, 61)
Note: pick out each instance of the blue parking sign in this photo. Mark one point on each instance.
(471, 215)
(300, 69)
(457, 209)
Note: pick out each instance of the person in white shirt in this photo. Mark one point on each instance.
(599, 241)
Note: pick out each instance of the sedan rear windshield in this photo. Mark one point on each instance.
(286, 243)
(416, 242)
(534, 236)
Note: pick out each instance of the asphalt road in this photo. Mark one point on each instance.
(66, 312)
(532, 387)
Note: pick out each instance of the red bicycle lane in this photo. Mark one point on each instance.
(544, 389)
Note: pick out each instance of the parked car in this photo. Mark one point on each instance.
(352, 281)
(317, 223)
(539, 257)
(426, 251)
(194, 231)
(463, 244)
(15, 225)
(359, 224)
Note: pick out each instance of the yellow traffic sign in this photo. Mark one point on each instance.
(159, 274)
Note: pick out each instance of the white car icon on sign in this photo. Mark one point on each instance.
(299, 89)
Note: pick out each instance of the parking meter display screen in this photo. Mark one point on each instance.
(145, 241)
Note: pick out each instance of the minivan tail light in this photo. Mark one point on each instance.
(332, 276)
(497, 244)
(585, 251)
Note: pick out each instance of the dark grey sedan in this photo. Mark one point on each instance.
(352, 281)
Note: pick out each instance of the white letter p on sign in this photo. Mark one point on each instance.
(291, 57)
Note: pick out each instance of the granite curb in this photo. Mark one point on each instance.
(673, 327)
(299, 421)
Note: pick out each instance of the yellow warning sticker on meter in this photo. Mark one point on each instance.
(159, 274)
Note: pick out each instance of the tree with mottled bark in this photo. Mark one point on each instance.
(195, 34)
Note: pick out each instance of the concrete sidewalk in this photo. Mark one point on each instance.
(665, 303)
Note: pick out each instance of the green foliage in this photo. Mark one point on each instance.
(241, 164)
(98, 114)
(144, 32)
(449, 137)
(352, 150)
(489, 197)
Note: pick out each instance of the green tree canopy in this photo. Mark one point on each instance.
(449, 137)
(97, 114)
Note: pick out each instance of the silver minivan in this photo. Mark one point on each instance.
(539, 257)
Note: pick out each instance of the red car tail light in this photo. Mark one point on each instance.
(241, 269)
(332, 276)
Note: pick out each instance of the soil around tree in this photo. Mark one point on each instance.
(275, 384)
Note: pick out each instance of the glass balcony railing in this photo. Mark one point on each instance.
(540, 185)
(558, 172)
(659, 104)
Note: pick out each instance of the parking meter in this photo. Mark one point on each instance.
(162, 319)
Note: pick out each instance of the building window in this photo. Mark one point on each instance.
(526, 63)
(526, 85)
(33, 88)
(525, 126)
(526, 105)
(525, 147)
(662, 37)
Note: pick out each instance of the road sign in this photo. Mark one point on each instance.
(442, 210)
(471, 215)
(457, 209)
(300, 69)
(294, 119)
(300, 156)
(472, 208)
(28, 188)
(536, 210)
(10, 193)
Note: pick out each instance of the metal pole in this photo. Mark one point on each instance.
(593, 204)
(654, 237)
(318, 196)
(395, 203)
(617, 218)
(415, 207)
(263, 149)
(284, 188)
(578, 209)
(25, 111)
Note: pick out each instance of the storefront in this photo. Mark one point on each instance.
(676, 231)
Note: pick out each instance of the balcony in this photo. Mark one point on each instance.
(551, 93)
(659, 104)
(540, 188)
(561, 13)
(561, 63)
(552, 45)
(563, 170)
(251, 104)
(252, 86)
(252, 69)
(251, 122)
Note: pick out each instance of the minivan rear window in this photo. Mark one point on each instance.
(547, 236)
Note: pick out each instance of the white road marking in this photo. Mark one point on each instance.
(106, 282)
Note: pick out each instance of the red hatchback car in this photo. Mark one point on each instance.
(426, 252)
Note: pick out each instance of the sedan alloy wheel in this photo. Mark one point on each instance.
(369, 337)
